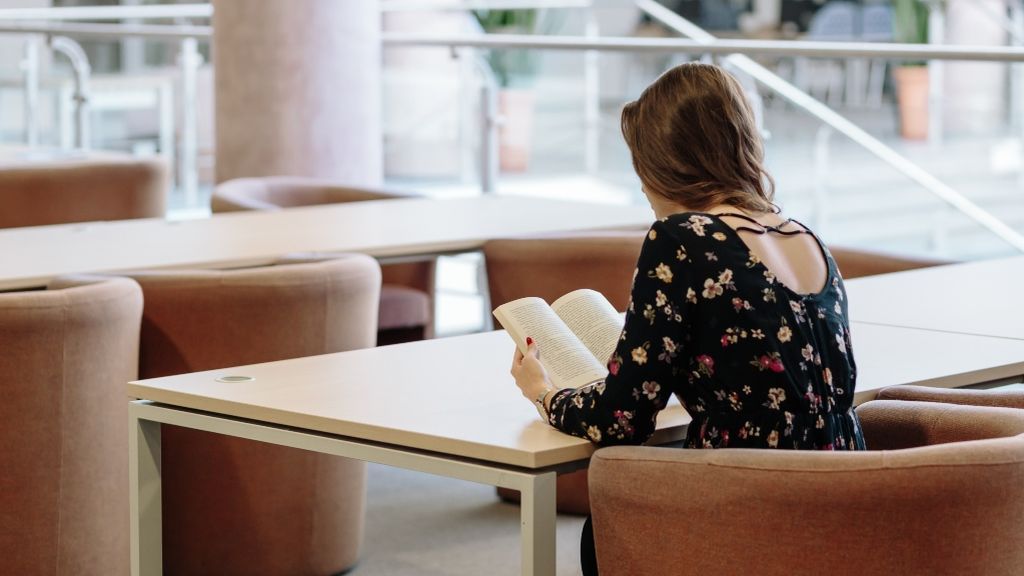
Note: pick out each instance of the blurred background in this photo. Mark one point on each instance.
(869, 151)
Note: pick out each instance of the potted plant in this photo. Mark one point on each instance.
(910, 25)
(514, 70)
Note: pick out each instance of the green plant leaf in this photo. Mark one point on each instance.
(910, 24)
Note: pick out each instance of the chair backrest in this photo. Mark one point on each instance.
(949, 509)
(855, 262)
(876, 23)
(1006, 398)
(86, 191)
(550, 266)
(275, 192)
(207, 319)
(65, 357)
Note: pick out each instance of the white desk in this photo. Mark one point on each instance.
(29, 257)
(449, 407)
(891, 355)
(973, 298)
(445, 406)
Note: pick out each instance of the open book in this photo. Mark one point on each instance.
(576, 334)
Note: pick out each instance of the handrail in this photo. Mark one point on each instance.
(152, 31)
(206, 10)
(844, 126)
(890, 51)
(109, 12)
(461, 5)
(575, 43)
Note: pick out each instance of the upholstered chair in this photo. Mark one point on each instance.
(1006, 398)
(944, 495)
(548, 267)
(406, 301)
(99, 188)
(234, 506)
(552, 265)
(66, 354)
(854, 262)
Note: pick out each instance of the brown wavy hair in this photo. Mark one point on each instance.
(694, 141)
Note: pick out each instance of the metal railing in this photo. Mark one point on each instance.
(155, 11)
(700, 42)
(886, 51)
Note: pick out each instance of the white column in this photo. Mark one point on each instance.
(975, 92)
(298, 89)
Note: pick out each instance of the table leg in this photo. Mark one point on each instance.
(144, 493)
(537, 518)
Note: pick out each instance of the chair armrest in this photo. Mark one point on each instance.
(998, 398)
(893, 424)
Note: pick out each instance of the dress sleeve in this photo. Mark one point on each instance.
(623, 408)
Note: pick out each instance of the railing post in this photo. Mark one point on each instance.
(591, 97)
(821, 172)
(30, 71)
(80, 64)
(936, 71)
(1017, 79)
(489, 123)
(190, 60)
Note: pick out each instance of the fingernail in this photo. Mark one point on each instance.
(529, 341)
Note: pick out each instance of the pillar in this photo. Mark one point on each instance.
(297, 88)
(975, 92)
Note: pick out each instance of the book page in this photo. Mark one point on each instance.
(568, 361)
(593, 319)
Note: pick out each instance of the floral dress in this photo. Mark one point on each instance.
(755, 364)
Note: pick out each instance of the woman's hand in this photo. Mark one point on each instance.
(530, 376)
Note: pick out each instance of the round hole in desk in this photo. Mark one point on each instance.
(235, 379)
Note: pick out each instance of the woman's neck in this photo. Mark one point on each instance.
(664, 208)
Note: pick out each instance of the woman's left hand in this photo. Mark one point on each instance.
(530, 375)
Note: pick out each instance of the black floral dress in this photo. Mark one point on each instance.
(755, 364)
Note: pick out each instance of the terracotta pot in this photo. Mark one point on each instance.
(516, 131)
(912, 96)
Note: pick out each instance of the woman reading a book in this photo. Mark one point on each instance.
(735, 309)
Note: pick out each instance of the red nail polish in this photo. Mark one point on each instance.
(529, 340)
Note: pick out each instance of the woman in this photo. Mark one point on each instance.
(739, 312)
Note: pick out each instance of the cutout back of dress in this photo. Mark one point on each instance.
(788, 249)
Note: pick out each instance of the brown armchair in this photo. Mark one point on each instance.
(101, 188)
(999, 398)
(66, 354)
(548, 267)
(406, 305)
(946, 497)
(854, 263)
(235, 506)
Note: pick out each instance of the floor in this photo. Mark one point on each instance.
(423, 525)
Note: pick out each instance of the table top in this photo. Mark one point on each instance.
(448, 395)
(891, 355)
(30, 257)
(971, 298)
(455, 395)
(21, 157)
